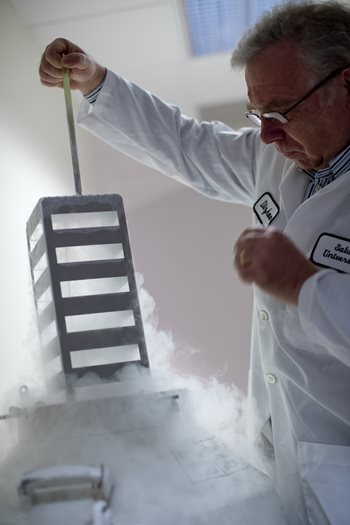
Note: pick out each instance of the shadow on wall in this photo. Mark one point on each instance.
(182, 245)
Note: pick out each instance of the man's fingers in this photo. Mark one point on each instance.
(80, 66)
(55, 50)
(85, 74)
(243, 262)
(62, 52)
(48, 72)
(75, 60)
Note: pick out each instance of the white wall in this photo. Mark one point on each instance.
(34, 163)
(184, 248)
(182, 242)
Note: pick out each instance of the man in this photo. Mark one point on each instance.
(294, 172)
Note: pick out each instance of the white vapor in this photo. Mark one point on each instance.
(175, 444)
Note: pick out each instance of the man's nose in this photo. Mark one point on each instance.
(271, 131)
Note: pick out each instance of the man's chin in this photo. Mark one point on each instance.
(303, 162)
(306, 164)
(298, 159)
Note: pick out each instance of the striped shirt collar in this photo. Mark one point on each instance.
(320, 178)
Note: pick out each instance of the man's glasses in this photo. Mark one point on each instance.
(255, 115)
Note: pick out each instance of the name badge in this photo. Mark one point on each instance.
(332, 251)
(266, 209)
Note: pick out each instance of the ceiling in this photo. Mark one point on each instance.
(145, 41)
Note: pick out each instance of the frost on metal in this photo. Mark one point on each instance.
(84, 288)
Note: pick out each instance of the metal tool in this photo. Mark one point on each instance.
(71, 130)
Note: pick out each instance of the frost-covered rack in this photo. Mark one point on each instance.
(84, 288)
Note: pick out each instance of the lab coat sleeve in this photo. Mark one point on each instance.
(324, 307)
(208, 156)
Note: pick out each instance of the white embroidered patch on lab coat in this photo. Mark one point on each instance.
(332, 251)
(266, 209)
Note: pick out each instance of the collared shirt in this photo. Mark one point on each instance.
(92, 96)
(320, 178)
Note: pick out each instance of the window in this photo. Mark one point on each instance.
(216, 26)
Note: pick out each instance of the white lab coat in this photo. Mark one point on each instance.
(300, 357)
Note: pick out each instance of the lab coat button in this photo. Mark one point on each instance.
(264, 316)
(271, 378)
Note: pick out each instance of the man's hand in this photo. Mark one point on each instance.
(269, 259)
(85, 73)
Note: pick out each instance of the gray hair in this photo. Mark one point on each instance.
(320, 30)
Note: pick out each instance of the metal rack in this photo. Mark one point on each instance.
(84, 288)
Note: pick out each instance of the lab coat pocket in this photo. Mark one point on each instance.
(325, 475)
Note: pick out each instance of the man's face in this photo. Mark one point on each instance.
(319, 127)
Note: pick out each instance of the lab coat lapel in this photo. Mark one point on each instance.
(319, 213)
(292, 190)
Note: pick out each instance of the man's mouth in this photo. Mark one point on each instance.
(288, 153)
